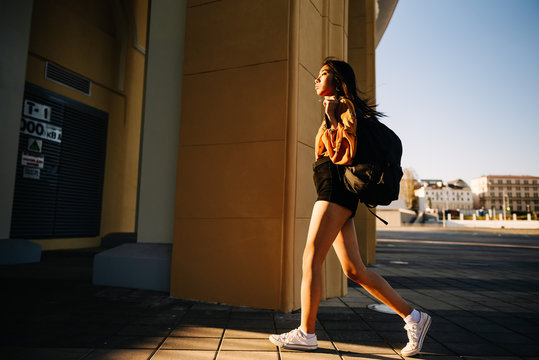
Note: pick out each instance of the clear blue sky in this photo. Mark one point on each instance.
(459, 81)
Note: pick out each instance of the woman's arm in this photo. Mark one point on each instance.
(340, 138)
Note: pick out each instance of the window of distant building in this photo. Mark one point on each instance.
(526, 194)
(509, 188)
(509, 194)
(517, 187)
(525, 181)
(518, 194)
(517, 181)
(500, 181)
(534, 181)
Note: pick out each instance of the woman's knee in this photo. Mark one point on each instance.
(312, 259)
(359, 276)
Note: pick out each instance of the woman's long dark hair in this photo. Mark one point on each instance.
(345, 81)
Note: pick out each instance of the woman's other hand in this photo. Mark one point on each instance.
(331, 106)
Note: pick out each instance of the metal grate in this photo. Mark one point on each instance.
(67, 78)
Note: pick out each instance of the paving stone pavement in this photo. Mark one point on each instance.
(481, 290)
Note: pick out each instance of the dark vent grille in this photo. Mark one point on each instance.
(67, 78)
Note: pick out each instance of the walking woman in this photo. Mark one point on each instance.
(332, 217)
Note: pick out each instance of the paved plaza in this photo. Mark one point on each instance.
(481, 289)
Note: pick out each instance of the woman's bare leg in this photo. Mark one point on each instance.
(347, 250)
(326, 221)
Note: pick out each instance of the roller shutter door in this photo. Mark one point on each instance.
(60, 167)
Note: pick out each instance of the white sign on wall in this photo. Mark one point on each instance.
(37, 111)
(41, 130)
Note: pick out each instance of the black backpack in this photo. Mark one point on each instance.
(375, 172)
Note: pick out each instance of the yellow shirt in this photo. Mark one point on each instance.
(338, 144)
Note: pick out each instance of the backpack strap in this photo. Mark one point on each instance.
(379, 218)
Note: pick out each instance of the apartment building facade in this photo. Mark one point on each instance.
(514, 193)
(437, 195)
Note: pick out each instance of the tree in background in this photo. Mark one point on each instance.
(407, 188)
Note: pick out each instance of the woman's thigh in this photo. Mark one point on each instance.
(326, 222)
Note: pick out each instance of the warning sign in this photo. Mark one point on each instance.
(35, 145)
(31, 173)
(33, 160)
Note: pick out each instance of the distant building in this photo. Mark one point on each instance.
(516, 193)
(437, 195)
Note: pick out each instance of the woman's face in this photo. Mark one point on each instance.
(324, 84)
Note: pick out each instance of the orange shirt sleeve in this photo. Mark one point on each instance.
(340, 143)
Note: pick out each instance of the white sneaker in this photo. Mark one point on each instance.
(416, 335)
(294, 340)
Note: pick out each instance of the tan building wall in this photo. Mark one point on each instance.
(96, 40)
(249, 117)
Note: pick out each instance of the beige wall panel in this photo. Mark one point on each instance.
(310, 113)
(235, 261)
(140, 14)
(191, 3)
(356, 9)
(301, 230)
(321, 6)
(365, 224)
(250, 105)
(311, 37)
(95, 12)
(336, 41)
(365, 81)
(305, 192)
(234, 180)
(346, 16)
(362, 30)
(57, 35)
(356, 39)
(120, 185)
(333, 276)
(128, 139)
(345, 51)
(235, 33)
(134, 87)
(337, 12)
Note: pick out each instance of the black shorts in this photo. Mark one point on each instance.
(330, 186)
